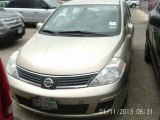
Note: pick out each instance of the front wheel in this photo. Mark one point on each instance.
(133, 5)
(147, 55)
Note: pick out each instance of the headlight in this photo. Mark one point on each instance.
(11, 66)
(111, 73)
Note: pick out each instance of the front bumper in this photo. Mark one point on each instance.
(81, 102)
(9, 35)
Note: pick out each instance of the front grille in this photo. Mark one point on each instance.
(12, 22)
(62, 81)
(62, 109)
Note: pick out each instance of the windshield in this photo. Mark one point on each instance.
(99, 19)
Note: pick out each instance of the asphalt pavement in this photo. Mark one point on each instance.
(144, 95)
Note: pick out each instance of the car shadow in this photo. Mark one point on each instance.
(7, 45)
(30, 25)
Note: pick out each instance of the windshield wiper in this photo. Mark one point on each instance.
(75, 33)
(49, 31)
(81, 33)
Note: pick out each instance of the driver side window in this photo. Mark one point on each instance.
(14, 4)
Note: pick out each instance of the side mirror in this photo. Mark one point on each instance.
(154, 19)
(130, 28)
(39, 25)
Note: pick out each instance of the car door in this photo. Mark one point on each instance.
(23, 7)
(43, 8)
(156, 49)
(155, 43)
(27, 10)
(129, 37)
(13, 6)
(35, 10)
(156, 37)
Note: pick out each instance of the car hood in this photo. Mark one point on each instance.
(57, 55)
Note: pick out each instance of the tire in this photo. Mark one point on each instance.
(133, 5)
(147, 55)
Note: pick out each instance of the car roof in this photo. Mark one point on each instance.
(84, 2)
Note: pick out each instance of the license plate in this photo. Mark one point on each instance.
(20, 30)
(45, 103)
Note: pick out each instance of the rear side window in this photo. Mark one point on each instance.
(27, 3)
(40, 4)
(51, 3)
(20, 4)
(14, 4)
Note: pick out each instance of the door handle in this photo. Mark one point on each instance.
(36, 12)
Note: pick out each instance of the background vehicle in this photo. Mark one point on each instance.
(11, 27)
(32, 11)
(3, 3)
(6, 112)
(62, 1)
(152, 45)
(74, 65)
(133, 3)
(152, 4)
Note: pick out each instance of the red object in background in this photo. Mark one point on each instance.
(152, 4)
(6, 112)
